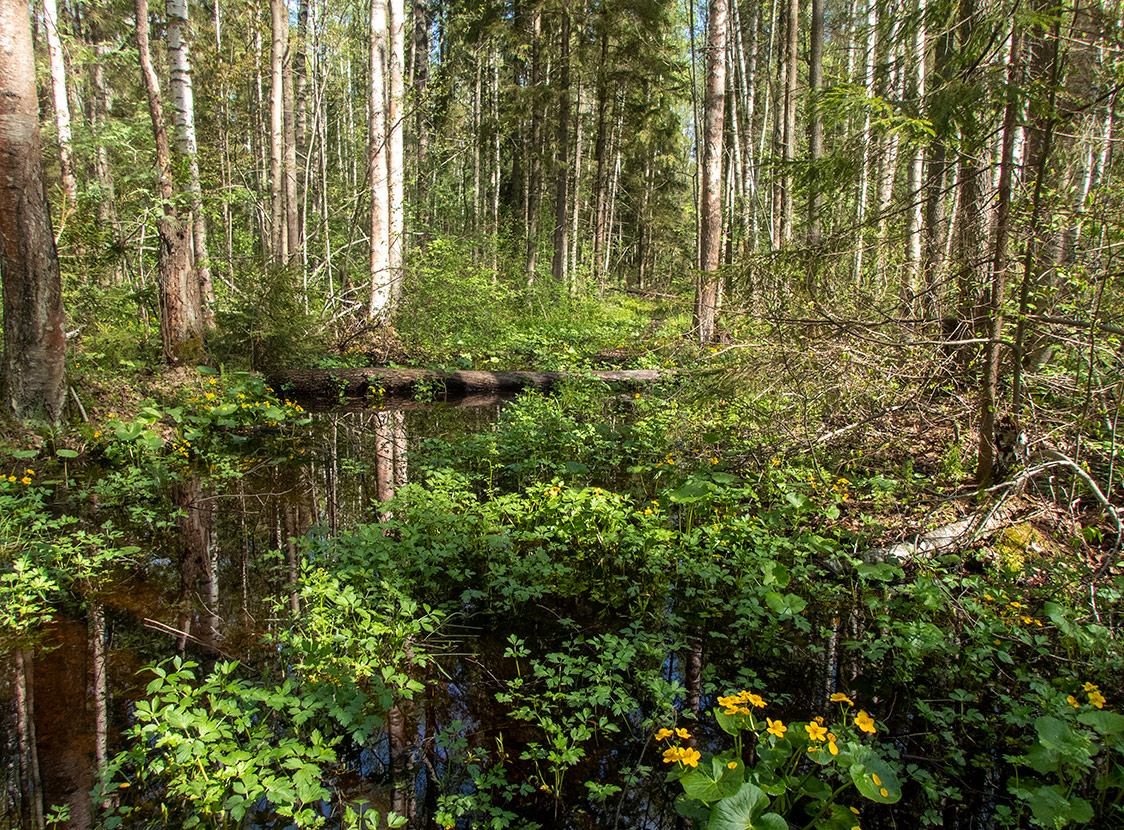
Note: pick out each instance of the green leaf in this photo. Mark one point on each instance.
(874, 778)
(715, 783)
(785, 605)
(745, 810)
(66, 453)
(1107, 723)
(24, 454)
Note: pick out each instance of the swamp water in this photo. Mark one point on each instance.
(565, 638)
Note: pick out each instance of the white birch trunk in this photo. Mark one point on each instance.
(62, 106)
(183, 117)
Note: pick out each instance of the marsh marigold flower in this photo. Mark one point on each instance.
(682, 733)
(839, 697)
(816, 732)
(681, 754)
(776, 727)
(1096, 699)
(664, 733)
(1072, 701)
(865, 722)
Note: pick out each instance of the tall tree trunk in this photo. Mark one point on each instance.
(990, 379)
(600, 157)
(933, 258)
(108, 217)
(865, 148)
(377, 151)
(279, 13)
(815, 141)
(62, 105)
(562, 169)
(419, 71)
(183, 116)
(916, 207)
(792, 55)
(534, 178)
(293, 240)
(714, 107)
(181, 320)
(34, 362)
(396, 161)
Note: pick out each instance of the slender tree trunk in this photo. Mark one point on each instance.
(534, 179)
(933, 254)
(34, 361)
(990, 380)
(714, 106)
(280, 36)
(62, 106)
(108, 217)
(865, 148)
(378, 166)
(183, 116)
(293, 241)
(562, 172)
(600, 158)
(792, 55)
(914, 187)
(181, 323)
(396, 161)
(815, 141)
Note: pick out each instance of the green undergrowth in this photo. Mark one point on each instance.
(539, 595)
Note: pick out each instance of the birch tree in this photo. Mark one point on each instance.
(183, 118)
(714, 108)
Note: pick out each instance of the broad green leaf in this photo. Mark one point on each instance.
(745, 810)
(875, 779)
(1107, 723)
(713, 783)
(66, 453)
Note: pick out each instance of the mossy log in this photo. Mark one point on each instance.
(349, 384)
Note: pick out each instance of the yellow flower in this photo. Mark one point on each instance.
(815, 731)
(683, 755)
(732, 765)
(25, 480)
(884, 792)
(682, 733)
(776, 727)
(30, 472)
(832, 747)
(1097, 699)
(664, 733)
(839, 697)
(865, 722)
(1072, 701)
(11, 478)
(877, 781)
(1090, 687)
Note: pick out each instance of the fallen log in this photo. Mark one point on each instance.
(348, 384)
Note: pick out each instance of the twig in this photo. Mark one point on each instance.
(78, 403)
(164, 628)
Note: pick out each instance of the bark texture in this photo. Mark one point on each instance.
(34, 367)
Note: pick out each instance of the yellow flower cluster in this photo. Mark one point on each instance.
(737, 704)
(25, 480)
(684, 755)
(1095, 697)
